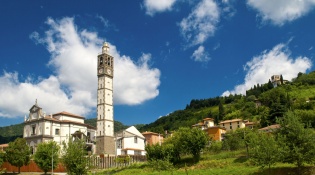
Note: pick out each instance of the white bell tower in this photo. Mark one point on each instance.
(105, 141)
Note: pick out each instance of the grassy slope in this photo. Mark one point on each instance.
(224, 163)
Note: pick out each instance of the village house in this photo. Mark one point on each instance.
(59, 127)
(232, 124)
(152, 138)
(214, 132)
(130, 142)
(249, 125)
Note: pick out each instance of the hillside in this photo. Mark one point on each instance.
(297, 95)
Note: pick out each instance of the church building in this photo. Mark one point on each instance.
(58, 127)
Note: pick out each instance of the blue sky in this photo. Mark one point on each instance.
(167, 52)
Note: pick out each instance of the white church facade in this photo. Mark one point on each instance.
(58, 127)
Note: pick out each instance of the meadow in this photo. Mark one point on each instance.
(223, 163)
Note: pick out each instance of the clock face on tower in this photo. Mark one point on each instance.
(109, 71)
(100, 71)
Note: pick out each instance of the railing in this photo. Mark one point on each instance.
(104, 162)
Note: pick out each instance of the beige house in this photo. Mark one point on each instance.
(152, 138)
(232, 124)
(206, 123)
(59, 127)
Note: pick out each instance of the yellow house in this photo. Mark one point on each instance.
(216, 132)
(232, 124)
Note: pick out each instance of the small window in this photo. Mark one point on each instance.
(33, 130)
(57, 131)
(223, 124)
(136, 139)
(230, 127)
(238, 126)
(230, 123)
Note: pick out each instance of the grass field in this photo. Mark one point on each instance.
(224, 163)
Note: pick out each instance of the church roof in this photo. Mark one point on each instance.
(68, 114)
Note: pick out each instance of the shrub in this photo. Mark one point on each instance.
(161, 152)
(215, 147)
(161, 165)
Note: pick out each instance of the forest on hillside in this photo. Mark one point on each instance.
(297, 95)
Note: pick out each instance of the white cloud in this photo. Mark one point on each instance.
(281, 11)
(73, 85)
(200, 23)
(155, 6)
(201, 55)
(277, 61)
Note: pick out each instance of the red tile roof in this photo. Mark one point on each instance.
(271, 127)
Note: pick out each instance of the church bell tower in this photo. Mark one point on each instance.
(105, 141)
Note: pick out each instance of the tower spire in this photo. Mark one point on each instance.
(105, 48)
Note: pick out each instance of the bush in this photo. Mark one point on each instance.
(161, 152)
(215, 147)
(161, 165)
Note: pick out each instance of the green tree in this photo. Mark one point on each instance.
(190, 141)
(74, 156)
(18, 153)
(47, 156)
(233, 140)
(221, 111)
(264, 150)
(298, 141)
